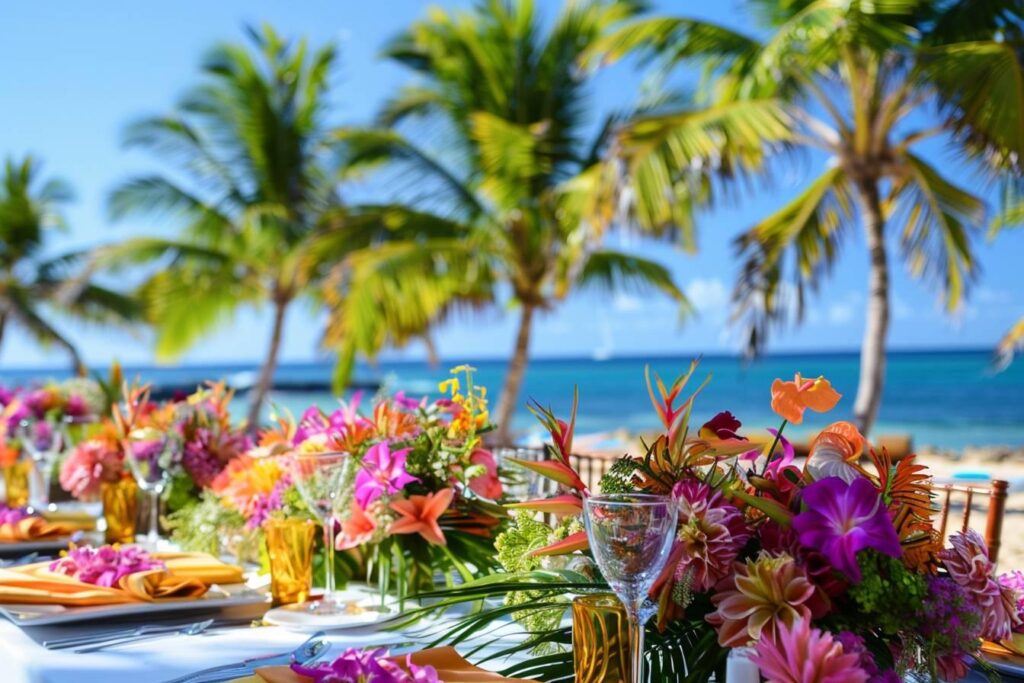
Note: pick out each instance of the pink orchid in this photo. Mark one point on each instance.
(383, 473)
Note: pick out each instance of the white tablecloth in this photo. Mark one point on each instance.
(24, 660)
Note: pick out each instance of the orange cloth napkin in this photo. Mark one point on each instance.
(187, 576)
(451, 668)
(33, 529)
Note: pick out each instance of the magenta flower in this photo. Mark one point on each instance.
(711, 531)
(406, 402)
(104, 566)
(9, 515)
(724, 425)
(383, 473)
(802, 654)
(967, 561)
(842, 519)
(1014, 581)
(370, 666)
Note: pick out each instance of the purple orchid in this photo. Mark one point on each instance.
(842, 519)
(383, 473)
(104, 566)
(9, 515)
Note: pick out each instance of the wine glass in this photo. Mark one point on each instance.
(43, 440)
(321, 478)
(150, 455)
(631, 535)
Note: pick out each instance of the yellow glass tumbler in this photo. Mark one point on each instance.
(16, 482)
(600, 639)
(120, 509)
(290, 548)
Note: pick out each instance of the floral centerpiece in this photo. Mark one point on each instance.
(420, 502)
(76, 400)
(193, 435)
(829, 569)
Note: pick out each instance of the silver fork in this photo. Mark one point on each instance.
(189, 630)
(123, 634)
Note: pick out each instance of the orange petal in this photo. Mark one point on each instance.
(571, 543)
(821, 397)
(848, 432)
(437, 503)
(786, 401)
(559, 505)
(552, 469)
(406, 525)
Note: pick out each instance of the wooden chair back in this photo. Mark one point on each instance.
(949, 495)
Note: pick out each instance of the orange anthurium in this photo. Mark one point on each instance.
(790, 399)
(559, 505)
(552, 469)
(569, 544)
(835, 452)
(419, 515)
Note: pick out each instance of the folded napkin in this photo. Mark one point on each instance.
(451, 668)
(187, 576)
(76, 520)
(33, 529)
(1014, 647)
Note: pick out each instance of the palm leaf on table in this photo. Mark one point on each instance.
(686, 651)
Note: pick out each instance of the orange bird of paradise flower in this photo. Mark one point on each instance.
(419, 515)
(790, 399)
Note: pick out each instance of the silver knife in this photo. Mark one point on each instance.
(304, 654)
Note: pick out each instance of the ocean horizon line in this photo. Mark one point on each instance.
(546, 358)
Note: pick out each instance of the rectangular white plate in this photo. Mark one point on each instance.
(216, 598)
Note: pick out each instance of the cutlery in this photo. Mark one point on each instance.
(303, 654)
(132, 632)
(189, 630)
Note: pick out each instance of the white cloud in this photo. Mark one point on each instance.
(710, 296)
(840, 314)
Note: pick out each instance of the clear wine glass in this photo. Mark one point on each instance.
(43, 440)
(631, 537)
(150, 456)
(321, 479)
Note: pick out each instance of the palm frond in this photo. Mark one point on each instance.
(940, 220)
(616, 271)
(789, 252)
(1009, 346)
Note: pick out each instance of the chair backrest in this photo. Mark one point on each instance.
(949, 495)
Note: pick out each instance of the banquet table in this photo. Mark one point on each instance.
(23, 659)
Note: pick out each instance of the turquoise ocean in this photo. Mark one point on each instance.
(947, 399)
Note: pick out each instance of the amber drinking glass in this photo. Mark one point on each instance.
(290, 548)
(600, 639)
(120, 507)
(16, 482)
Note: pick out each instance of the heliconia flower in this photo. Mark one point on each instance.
(383, 473)
(566, 504)
(968, 563)
(842, 519)
(569, 544)
(555, 470)
(419, 515)
(724, 425)
(790, 399)
(801, 654)
(835, 451)
(712, 533)
(358, 528)
(487, 485)
(764, 593)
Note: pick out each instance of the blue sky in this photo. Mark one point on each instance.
(76, 73)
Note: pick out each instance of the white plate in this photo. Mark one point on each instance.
(216, 598)
(362, 609)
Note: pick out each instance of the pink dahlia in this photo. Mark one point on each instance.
(1015, 581)
(801, 654)
(712, 533)
(765, 593)
(91, 463)
(967, 561)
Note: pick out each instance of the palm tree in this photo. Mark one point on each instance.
(856, 78)
(517, 181)
(30, 281)
(255, 188)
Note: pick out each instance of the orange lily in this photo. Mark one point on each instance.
(790, 399)
(419, 515)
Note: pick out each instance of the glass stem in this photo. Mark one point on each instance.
(636, 645)
(154, 517)
(329, 558)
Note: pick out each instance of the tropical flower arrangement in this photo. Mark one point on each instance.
(74, 400)
(829, 570)
(422, 499)
(192, 437)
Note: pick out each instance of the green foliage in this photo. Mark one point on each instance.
(203, 524)
(524, 535)
(888, 592)
(620, 477)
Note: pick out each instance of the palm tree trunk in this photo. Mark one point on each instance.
(3, 327)
(876, 329)
(514, 376)
(259, 394)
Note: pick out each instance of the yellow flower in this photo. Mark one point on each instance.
(451, 385)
